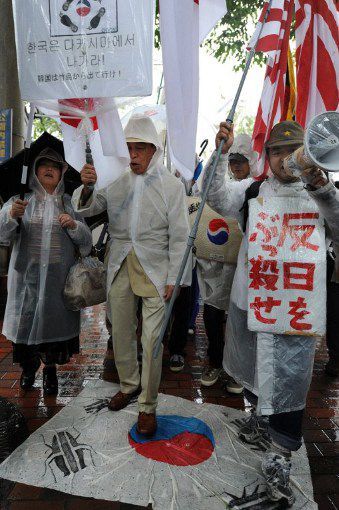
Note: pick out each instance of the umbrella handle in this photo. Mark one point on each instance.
(203, 147)
(89, 159)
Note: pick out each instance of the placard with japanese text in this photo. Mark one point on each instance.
(286, 267)
(84, 48)
(6, 116)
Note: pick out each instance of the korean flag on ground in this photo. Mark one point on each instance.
(83, 17)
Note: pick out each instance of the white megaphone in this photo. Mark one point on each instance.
(321, 146)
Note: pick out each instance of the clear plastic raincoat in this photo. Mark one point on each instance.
(215, 278)
(146, 212)
(42, 256)
(277, 368)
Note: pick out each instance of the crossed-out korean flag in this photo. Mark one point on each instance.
(83, 17)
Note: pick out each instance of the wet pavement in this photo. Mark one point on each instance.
(321, 423)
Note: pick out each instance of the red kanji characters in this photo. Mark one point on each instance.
(263, 273)
(269, 233)
(303, 280)
(299, 312)
(267, 306)
(299, 233)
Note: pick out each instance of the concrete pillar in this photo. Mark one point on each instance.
(9, 84)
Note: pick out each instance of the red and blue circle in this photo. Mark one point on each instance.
(179, 441)
(218, 231)
(83, 8)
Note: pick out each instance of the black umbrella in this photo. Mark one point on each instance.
(11, 170)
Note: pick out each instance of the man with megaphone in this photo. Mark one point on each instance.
(275, 368)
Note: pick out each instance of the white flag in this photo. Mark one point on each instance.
(182, 23)
(105, 133)
(211, 11)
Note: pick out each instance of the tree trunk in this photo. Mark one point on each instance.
(9, 83)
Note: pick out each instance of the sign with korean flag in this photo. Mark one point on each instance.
(84, 48)
(286, 267)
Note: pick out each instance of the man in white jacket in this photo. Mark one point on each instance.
(275, 369)
(148, 227)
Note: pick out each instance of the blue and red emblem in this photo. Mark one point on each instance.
(218, 231)
(83, 8)
(178, 441)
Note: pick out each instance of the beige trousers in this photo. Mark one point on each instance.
(123, 302)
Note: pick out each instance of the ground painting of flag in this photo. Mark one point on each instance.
(194, 461)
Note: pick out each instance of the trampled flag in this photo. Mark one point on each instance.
(317, 54)
(271, 106)
(182, 24)
(106, 137)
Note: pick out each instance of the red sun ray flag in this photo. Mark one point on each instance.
(271, 34)
(317, 38)
(271, 106)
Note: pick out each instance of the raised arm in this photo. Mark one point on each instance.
(225, 197)
(85, 200)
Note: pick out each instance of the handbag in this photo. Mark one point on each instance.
(86, 281)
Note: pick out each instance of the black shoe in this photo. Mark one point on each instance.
(50, 381)
(27, 378)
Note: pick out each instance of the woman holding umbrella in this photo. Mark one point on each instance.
(36, 320)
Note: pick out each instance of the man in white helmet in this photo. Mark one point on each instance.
(148, 227)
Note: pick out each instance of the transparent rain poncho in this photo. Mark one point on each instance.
(215, 278)
(42, 256)
(277, 367)
(146, 212)
(243, 145)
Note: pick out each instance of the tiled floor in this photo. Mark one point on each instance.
(321, 420)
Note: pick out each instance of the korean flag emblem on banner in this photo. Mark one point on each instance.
(83, 17)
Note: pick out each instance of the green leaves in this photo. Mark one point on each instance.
(234, 31)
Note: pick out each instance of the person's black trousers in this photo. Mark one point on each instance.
(214, 325)
(181, 317)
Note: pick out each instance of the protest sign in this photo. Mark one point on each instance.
(6, 116)
(286, 267)
(84, 48)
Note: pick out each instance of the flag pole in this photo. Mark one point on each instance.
(194, 231)
(88, 150)
(28, 142)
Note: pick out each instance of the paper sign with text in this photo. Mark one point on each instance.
(84, 48)
(286, 267)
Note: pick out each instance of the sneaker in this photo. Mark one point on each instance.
(332, 367)
(177, 363)
(210, 376)
(254, 430)
(233, 387)
(276, 470)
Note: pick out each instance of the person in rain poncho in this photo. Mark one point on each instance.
(36, 320)
(215, 278)
(148, 228)
(275, 369)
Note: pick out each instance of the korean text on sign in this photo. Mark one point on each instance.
(84, 48)
(286, 267)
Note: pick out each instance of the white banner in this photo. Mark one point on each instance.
(84, 48)
(286, 267)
